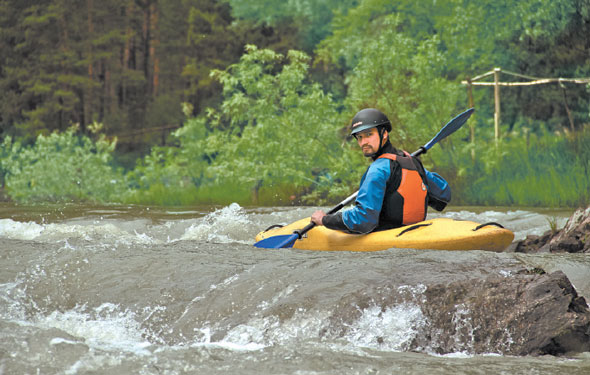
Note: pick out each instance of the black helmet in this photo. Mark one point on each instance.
(369, 118)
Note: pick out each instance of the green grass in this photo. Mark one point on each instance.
(551, 172)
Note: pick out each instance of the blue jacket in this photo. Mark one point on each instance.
(364, 216)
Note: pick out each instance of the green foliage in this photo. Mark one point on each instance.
(405, 79)
(312, 18)
(156, 180)
(553, 225)
(274, 127)
(475, 33)
(172, 175)
(393, 70)
(530, 170)
(260, 129)
(275, 134)
(210, 44)
(61, 167)
(127, 64)
(39, 77)
(473, 37)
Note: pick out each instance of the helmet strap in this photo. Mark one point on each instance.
(380, 130)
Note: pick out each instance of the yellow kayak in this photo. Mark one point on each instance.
(435, 234)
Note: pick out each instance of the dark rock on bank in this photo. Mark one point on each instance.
(518, 311)
(524, 314)
(573, 238)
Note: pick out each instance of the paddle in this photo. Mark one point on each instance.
(287, 240)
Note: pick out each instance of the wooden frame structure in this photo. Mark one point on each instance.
(531, 81)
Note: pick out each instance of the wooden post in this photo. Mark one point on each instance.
(567, 108)
(472, 124)
(497, 102)
(531, 82)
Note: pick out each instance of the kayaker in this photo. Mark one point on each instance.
(394, 191)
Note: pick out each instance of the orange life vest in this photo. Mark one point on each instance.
(407, 204)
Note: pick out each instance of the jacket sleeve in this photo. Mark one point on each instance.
(439, 191)
(334, 222)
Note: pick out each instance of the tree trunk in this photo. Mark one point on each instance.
(65, 69)
(153, 48)
(88, 97)
(127, 62)
(146, 31)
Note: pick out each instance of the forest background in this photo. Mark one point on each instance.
(183, 102)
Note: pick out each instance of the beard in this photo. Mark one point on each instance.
(368, 151)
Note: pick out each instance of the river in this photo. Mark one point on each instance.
(153, 290)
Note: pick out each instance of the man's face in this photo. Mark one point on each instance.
(369, 141)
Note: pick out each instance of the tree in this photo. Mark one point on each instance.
(407, 82)
(61, 167)
(391, 70)
(275, 127)
(312, 19)
(208, 46)
(544, 38)
(43, 79)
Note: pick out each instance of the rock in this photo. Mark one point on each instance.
(527, 314)
(573, 238)
(520, 312)
(531, 244)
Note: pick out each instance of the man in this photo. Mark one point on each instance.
(394, 191)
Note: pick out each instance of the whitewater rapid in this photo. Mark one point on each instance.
(127, 289)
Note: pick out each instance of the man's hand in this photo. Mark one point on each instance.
(317, 217)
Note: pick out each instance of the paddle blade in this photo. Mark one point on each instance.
(278, 242)
(450, 127)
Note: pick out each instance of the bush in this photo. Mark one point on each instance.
(61, 167)
(529, 170)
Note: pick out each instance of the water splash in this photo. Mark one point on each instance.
(226, 225)
(392, 328)
(464, 336)
(105, 327)
(105, 233)
(20, 231)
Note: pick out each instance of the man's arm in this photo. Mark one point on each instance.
(364, 216)
(333, 221)
(439, 191)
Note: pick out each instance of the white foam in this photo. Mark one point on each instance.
(64, 232)
(261, 332)
(10, 308)
(61, 340)
(485, 216)
(248, 347)
(20, 231)
(245, 337)
(521, 222)
(391, 329)
(252, 333)
(105, 327)
(143, 238)
(463, 337)
(216, 226)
